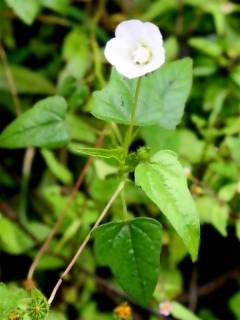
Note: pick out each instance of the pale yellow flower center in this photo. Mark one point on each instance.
(141, 54)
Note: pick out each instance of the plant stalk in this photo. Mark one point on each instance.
(128, 137)
(84, 243)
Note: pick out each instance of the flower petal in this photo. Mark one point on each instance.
(116, 50)
(130, 29)
(152, 32)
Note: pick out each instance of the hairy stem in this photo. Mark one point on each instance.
(128, 137)
(84, 243)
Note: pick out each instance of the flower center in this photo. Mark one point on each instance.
(141, 54)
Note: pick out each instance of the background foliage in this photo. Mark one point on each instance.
(54, 47)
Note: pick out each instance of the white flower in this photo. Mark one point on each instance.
(137, 48)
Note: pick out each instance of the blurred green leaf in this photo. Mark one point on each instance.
(169, 285)
(76, 53)
(12, 239)
(234, 304)
(42, 126)
(24, 79)
(11, 298)
(158, 8)
(25, 10)
(57, 168)
(178, 311)
(60, 6)
(227, 192)
(213, 212)
(208, 46)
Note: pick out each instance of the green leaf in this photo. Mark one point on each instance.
(60, 6)
(116, 153)
(227, 192)
(164, 182)
(80, 129)
(57, 168)
(132, 251)
(76, 53)
(182, 313)
(234, 303)
(25, 10)
(170, 284)
(157, 8)
(24, 79)
(56, 316)
(12, 239)
(237, 226)
(41, 126)
(12, 298)
(213, 212)
(162, 97)
(207, 46)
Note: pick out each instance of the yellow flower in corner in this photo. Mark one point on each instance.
(123, 311)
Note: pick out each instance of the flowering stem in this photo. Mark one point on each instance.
(128, 137)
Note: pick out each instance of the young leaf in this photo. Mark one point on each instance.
(162, 98)
(163, 180)
(132, 251)
(56, 167)
(42, 126)
(116, 153)
(25, 10)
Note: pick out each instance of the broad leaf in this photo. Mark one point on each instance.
(163, 180)
(41, 126)
(116, 153)
(26, 10)
(162, 98)
(132, 251)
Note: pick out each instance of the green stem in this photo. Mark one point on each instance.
(128, 137)
(124, 204)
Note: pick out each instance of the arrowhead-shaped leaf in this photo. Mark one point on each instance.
(163, 180)
(162, 98)
(132, 251)
(42, 126)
